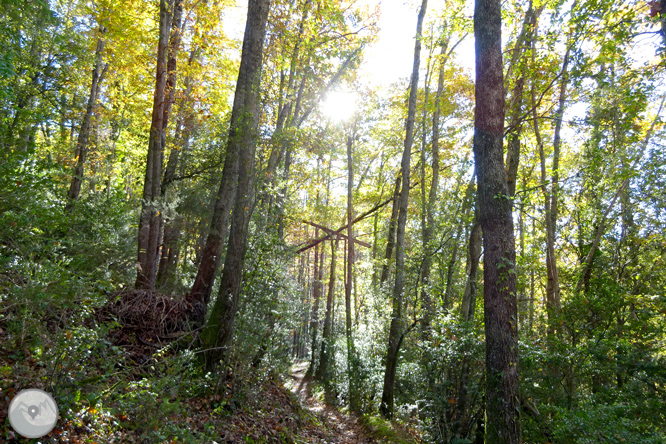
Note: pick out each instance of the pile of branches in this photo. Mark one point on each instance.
(148, 320)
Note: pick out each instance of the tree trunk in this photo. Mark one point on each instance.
(241, 134)
(149, 221)
(395, 332)
(467, 202)
(218, 333)
(468, 304)
(322, 373)
(551, 199)
(161, 255)
(500, 311)
(432, 196)
(351, 352)
(390, 237)
(318, 286)
(523, 43)
(84, 131)
(170, 250)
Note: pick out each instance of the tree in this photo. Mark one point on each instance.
(150, 221)
(84, 132)
(351, 352)
(499, 291)
(395, 332)
(218, 332)
(323, 371)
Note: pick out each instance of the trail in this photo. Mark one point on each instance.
(339, 428)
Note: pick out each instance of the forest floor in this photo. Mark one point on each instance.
(258, 410)
(336, 427)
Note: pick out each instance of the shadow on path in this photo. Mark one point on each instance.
(340, 428)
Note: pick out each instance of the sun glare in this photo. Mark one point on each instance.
(339, 106)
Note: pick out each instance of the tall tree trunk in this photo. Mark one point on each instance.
(351, 352)
(170, 250)
(395, 331)
(551, 197)
(200, 293)
(322, 373)
(318, 286)
(460, 418)
(500, 311)
(375, 239)
(149, 221)
(170, 95)
(84, 131)
(217, 334)
(429, 228)
(285, 107)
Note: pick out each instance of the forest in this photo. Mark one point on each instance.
(334, 221)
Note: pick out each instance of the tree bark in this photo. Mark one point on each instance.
(217, 335)
(500, 311)
(241, 134)
(386, 406)
(149, 221)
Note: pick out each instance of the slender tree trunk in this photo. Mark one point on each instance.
(429, 228)
(468, 201)
(500, 312)
(390, 237)
(149, 221)
(169, 256)
(282, 197)
(523, 43)
(240, 134)
(322, 373)
(395, 332)
(170, 94)
(375, 236)
(84, 131)
(286, 106)
(351, 352)
(217, 335)
(468, 304)
(551, 199)
(314, 320)
(522, 297)
(184, 128)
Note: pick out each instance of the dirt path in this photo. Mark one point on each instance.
(339, 428)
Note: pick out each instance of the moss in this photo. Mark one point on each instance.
(385, 431)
